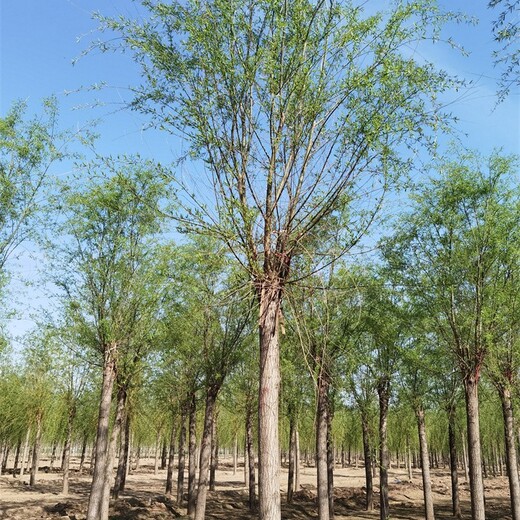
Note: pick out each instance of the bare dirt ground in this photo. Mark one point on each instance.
(144, 497)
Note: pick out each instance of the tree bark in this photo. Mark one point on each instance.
(367, 451)
(192, 456)
(116, 430)
(36, 448)
(157, 453)
(25, 451)
(330, 458)
(214, 455)
(205, 453)
(455, 497)
(17, 457)
(322, 423)
(102, 440)
(476, 481)
(292, 449)
(235, 454)
(66, 449)
(182, 459)
(511, 456)
(83, 453)
(268, 402)
(297, 460)
(425, 465)
(250, 459)
(171, 461)
(124, 448)
(384, 396)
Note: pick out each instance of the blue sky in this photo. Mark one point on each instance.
(39, 40)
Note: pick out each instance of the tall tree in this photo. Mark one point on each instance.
(298, 110)
(105, 275)
(450, 253)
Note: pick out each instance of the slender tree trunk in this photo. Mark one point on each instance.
(476, 481)
(511, 456)
(124, 446)
(268, 402)
(83, 453)
(66, 449)
(250, 458)
(102, 440)
(205, 453)
(36, 448)
(292, 449)
(192, 457)
(25, 451)
(297, 460)
(322, 422)
(182, 459)
(425, 466)
(157, 453)
(17, 457)
(164, 455)
(384, 395)
(235, 454)
(171, 461)
(330, 458)
(367, 451)
(455, 497)
(214, 455)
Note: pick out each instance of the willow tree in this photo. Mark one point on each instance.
(104, 271)
(296, 110)
(454, 251)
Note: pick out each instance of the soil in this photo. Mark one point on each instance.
(144, 497)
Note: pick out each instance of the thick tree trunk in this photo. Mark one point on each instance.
(367, 451)
(66, 449)
(171, 461)
(182, 459)
(384, 462)
(268, 403)
(476, 481)
(511, 457)
(425, 466)
(455, 497)
(322, 422)
(250, 459)
(192, 456)
(102, 441)
(205, 453)
(36, 448)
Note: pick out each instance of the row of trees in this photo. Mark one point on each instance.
(303, 115)
(171, 328)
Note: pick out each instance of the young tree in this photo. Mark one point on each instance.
(298, 110)
(105, 277)
(450, 252)
(28, 149)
